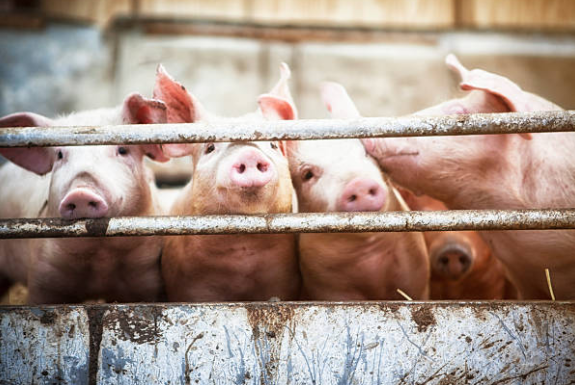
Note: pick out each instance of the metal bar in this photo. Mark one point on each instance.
(291, 223)
(230, 130)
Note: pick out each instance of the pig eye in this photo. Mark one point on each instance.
(210, 148)
(307, 175)
(60, 155)
(273, 145)
(122, 151)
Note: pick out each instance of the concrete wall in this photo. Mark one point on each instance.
(64, 68)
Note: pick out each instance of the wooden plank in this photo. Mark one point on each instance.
(418, 14)
(100, 12)
(194, 9)
(518, 14)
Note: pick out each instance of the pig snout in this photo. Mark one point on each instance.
(82, 203)
(362, 194)
(251, 169)
(452, 261)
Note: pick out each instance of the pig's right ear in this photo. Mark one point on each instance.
(36, 159)
(338, 102)
(183, 107)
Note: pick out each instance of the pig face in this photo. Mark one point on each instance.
(336, 175)
(239, 177)
(242, 178)
(94, 181)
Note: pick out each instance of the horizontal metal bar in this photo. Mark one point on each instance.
(291, 223)
(229, 130)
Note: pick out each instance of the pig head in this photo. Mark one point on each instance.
(338, 175)
(496, 172)
(231, 178)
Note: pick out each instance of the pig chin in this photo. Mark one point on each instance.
(247, 200)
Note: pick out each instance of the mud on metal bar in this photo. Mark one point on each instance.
(230, 130)
(458, 220)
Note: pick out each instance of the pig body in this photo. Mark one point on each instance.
(337, 175)
(462, 264)
(83, 182)
(496, 172)
(231, 178)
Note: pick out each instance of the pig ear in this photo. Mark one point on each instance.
(337, 101)
(140, 110)
(36, 159)
(278, 103)
(275, 108)
(182, 106)
(510, 93)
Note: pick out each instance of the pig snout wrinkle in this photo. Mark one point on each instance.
(82, 203)
(362, 194)
(251, 169)
(452, 261)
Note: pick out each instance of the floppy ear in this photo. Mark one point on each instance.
(36, 159)
(337, 101)
(140, 110)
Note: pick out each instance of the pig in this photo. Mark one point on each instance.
(496, 172)
(231, 178)
(338, 175)
(83, 182)
(462, 264)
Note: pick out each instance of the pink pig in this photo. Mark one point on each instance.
(231, 178)
(338, 175)
(83, 182)
(496, 172)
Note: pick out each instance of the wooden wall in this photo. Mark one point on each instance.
(549, 15)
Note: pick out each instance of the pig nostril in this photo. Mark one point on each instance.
(444, 260)
(463, 260)
(242, 168)
(262, 167)
(352, 198)
(372, 191)
(93, 204)
(71, 207)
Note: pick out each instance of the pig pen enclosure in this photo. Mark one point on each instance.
(111, 48)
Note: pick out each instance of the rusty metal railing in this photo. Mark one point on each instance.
(291, 223)
(480, 220)
(508, 123)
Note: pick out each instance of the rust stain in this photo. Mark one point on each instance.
(138, 325)
(97, 227)
(48, 318)
(268, 323)
(423, 317)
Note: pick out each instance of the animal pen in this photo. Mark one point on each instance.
(278, 342)
(290, 342)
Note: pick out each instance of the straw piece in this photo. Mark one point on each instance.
(549, 284)
(404, 295)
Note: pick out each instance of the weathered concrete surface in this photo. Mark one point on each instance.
(44, 346)
(292, 343)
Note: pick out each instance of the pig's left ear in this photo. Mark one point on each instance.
(278, 103)
(510, 93)
(276, 108)
(140, 110)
